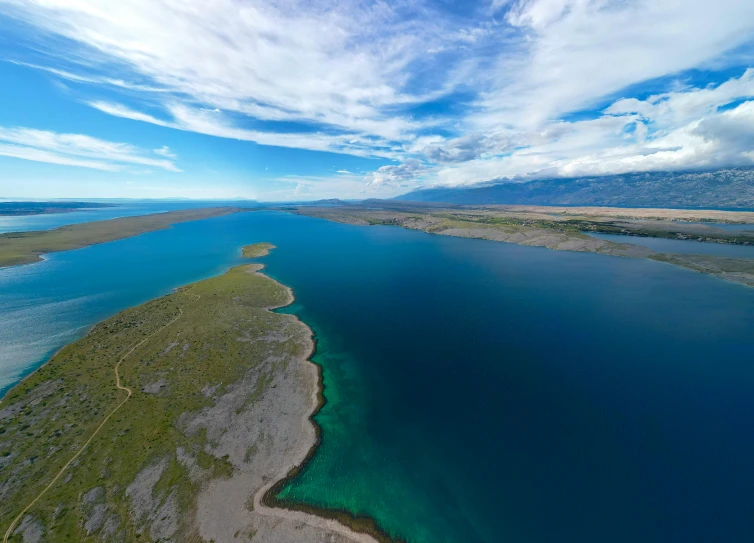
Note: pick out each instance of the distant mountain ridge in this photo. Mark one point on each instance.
(725, 188)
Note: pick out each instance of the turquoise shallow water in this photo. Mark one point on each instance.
(476, 391)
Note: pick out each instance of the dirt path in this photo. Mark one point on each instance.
(118, 385)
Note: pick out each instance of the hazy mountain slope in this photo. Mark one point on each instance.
(729, 188)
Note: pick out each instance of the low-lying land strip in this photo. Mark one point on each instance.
(166, 422)
(661, 214)
(26, 247)
(564, 228)
(45, 208)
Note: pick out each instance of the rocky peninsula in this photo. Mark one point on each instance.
(168, 422)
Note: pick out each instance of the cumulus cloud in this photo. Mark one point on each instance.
(404, 175)
(76, 150)
(687, 128)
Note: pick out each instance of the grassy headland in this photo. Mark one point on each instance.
(257, 250)
(564, 228)
(26, 247)
(214, 388)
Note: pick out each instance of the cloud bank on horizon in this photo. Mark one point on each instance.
(409, 94)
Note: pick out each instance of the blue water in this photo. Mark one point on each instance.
(682, 246)
(21, 223)
(724, 226)
(477, 391)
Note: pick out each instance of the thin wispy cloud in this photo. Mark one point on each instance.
(339, 66)
(79, 150)
(215, 123)
(488, 90)
(166, 152)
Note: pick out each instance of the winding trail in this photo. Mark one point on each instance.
(119, 386)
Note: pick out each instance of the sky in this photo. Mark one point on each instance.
(283, 100)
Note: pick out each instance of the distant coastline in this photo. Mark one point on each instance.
(15, 209)
(564, 228)
(18, 248)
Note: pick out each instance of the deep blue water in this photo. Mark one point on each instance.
(477, 391)
(682, 246)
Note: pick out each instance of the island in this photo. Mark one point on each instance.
(563, 228)
(168, 422)
(27, 247)
(257, 250)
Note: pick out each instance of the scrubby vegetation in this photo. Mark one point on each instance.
(138, 478)
(257, 250)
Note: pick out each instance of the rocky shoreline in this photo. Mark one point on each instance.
(223, 391)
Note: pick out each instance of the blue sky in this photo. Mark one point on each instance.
(297, 100)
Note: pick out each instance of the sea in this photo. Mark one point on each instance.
(475, 391)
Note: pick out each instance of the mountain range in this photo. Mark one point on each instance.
(722, 189)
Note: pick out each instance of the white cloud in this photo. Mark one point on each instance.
(578, 51)
(39, 155)
(297, 187)
(214, 123)
(338, 65)
(78, 78)
(603, 146)
(346, 75)
(166, 152)
(404, 175)
(76, 150)
(686, 105)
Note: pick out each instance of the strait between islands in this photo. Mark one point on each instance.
(178, 420)
(170, 421)
(558, 228)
